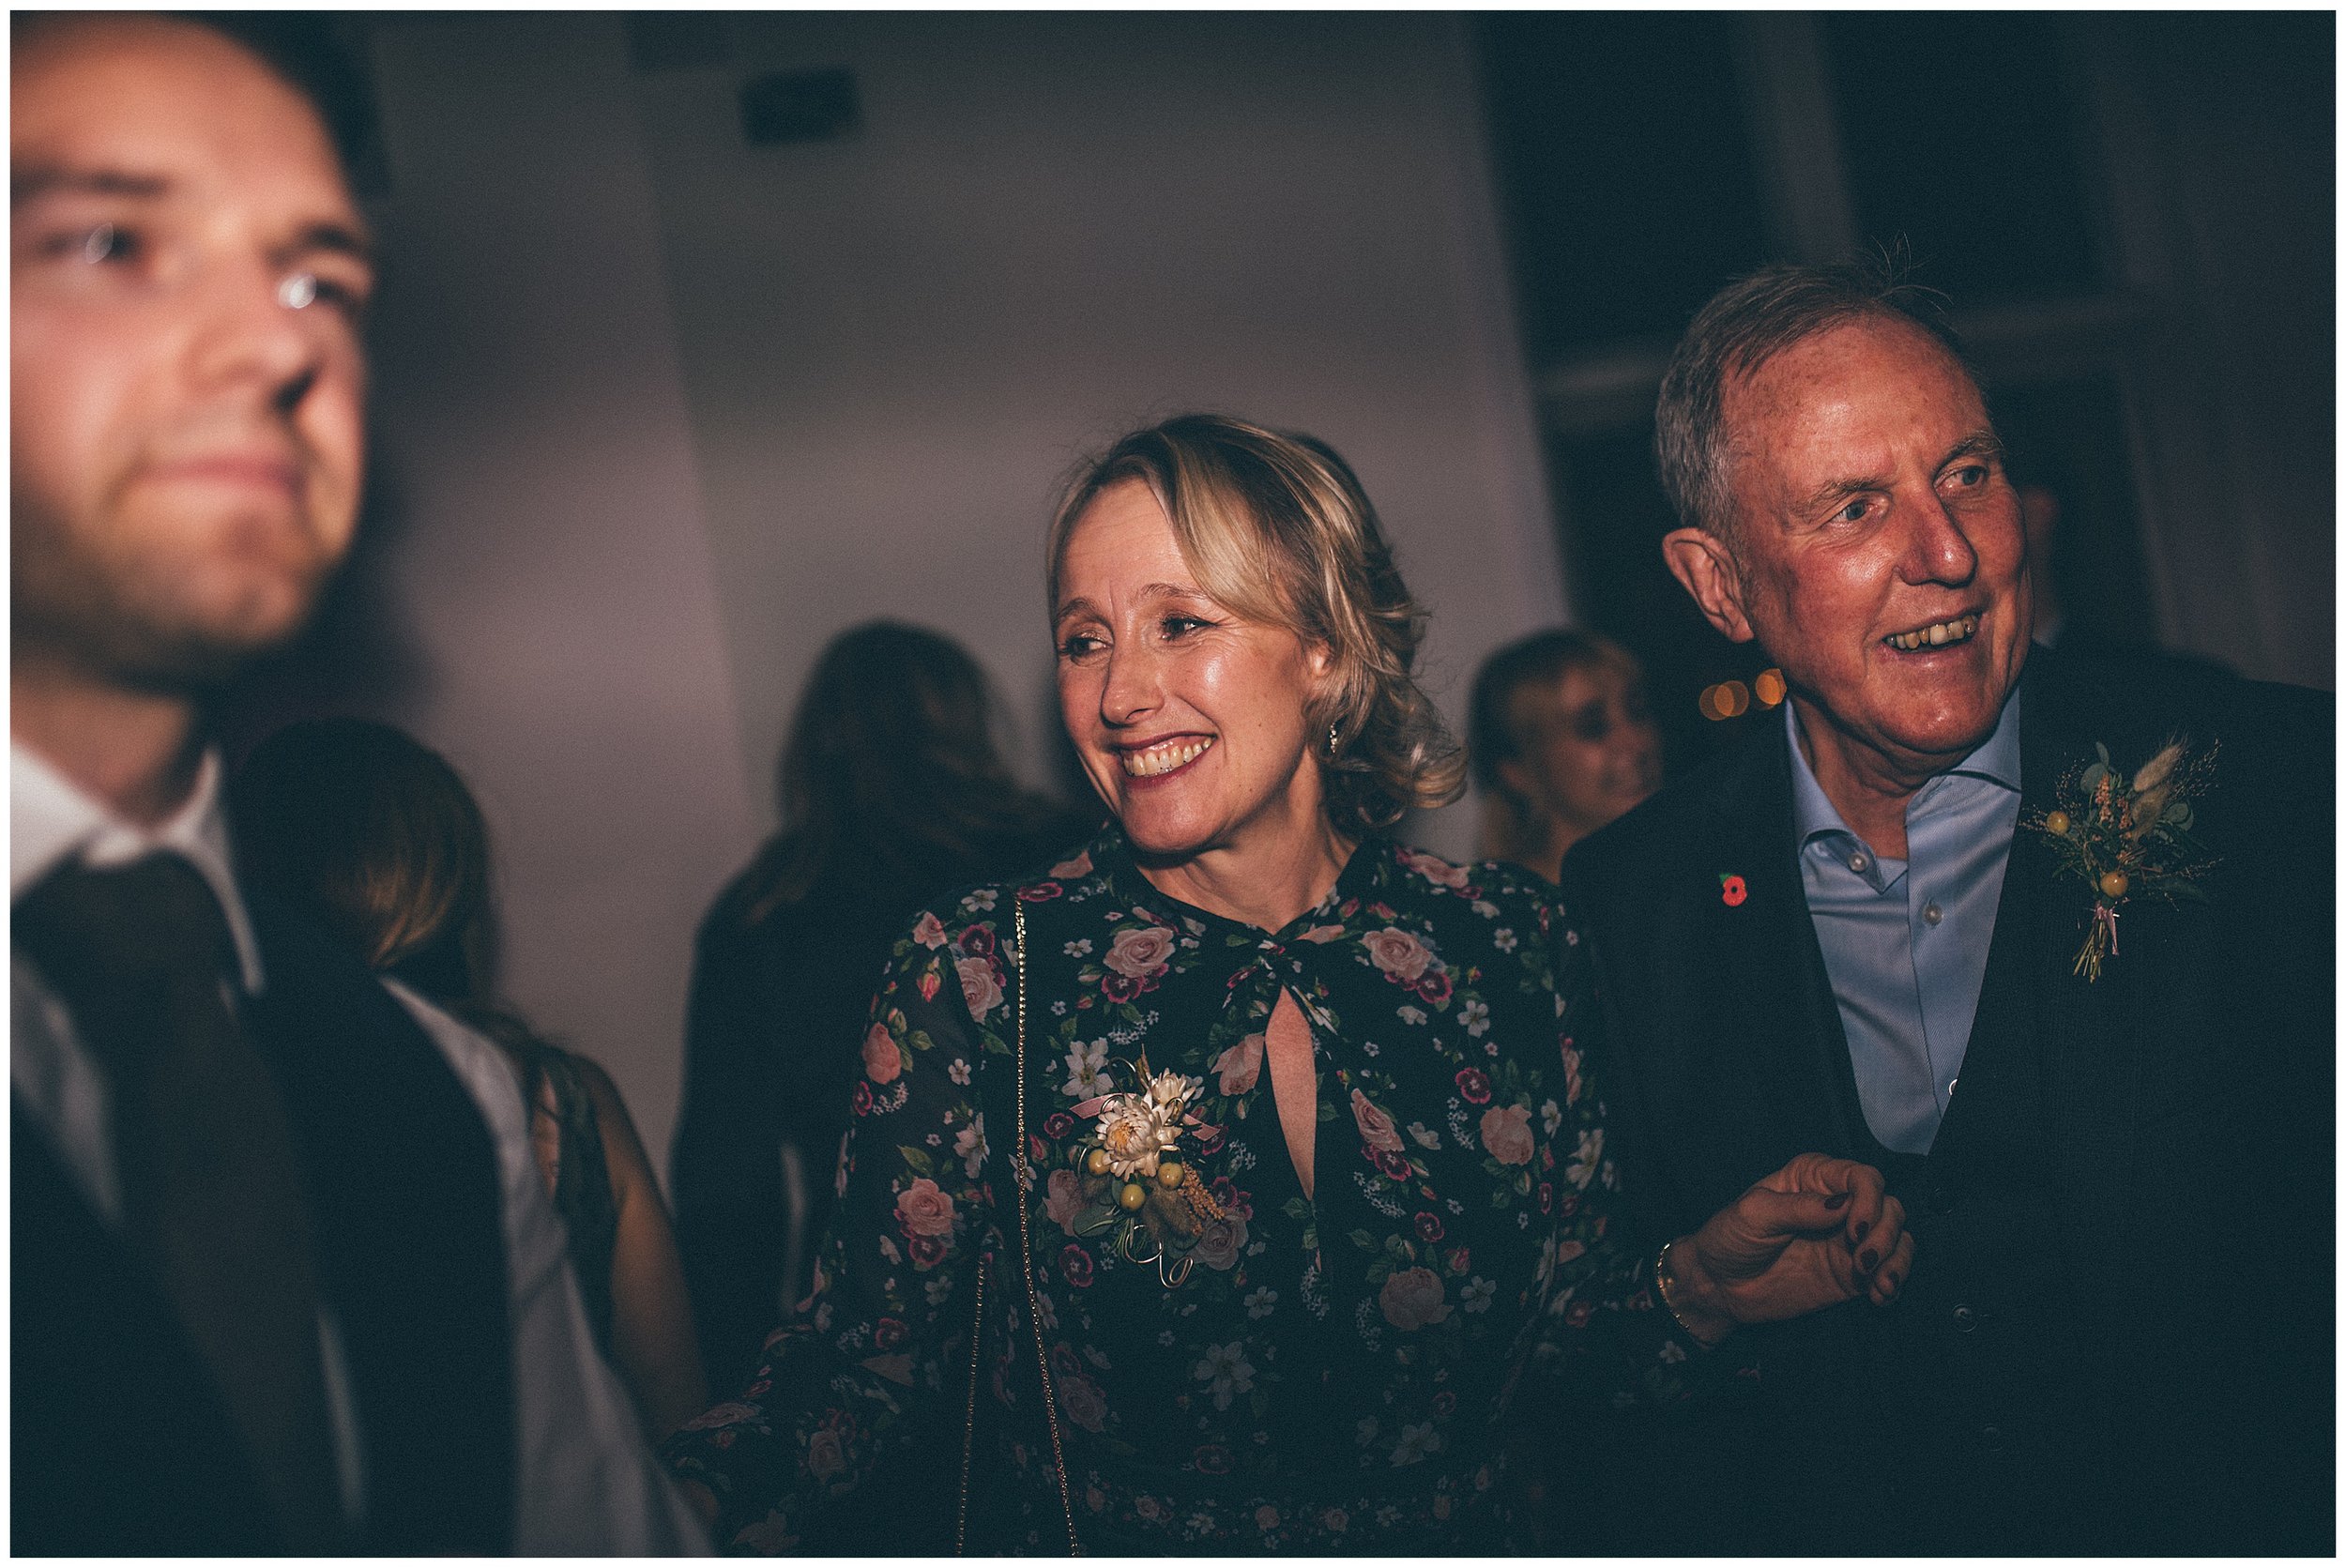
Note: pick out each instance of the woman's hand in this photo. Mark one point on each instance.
(1816, 1233)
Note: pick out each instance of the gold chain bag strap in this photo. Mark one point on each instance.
(1024, 1171)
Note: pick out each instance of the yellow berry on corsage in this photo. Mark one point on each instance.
(1131, 1180)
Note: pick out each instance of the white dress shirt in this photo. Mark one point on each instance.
(584, 1483)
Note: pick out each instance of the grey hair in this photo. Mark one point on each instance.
(1744, 326)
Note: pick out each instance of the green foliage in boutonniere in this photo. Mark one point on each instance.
(2128, 838)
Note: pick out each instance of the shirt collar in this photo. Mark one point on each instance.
(51, 821)
(1996, 759)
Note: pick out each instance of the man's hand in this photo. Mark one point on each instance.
(1816, 1233)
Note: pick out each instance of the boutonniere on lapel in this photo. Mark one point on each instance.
(1132, 1181)
(2128, 838)
(1731, 890)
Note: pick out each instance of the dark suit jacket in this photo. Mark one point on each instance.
(2117, 1336)
(121, 1444)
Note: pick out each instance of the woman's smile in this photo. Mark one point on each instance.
(1190, 719)
(1162, 759)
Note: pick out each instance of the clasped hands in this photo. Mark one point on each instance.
(1816, 1233)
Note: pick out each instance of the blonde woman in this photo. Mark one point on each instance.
(1562, 743)
(1306, 1162)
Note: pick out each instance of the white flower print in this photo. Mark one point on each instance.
(1418, 1440)
(1486, 908)
(1425, 1139)
(959, 1070)
(1261, 1300)
(1226, 1371)
(1551, 1116)
(1586, 1158)
(969, 1143)
(1079, 947)
(1503, 938)
(979, 901)
(1477, 1295)
(1411, 1015)
(1087, 1070)
(1476, 1017)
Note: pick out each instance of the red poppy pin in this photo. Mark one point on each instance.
(1732, 890)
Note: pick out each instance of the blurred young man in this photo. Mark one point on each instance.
(1860, 931)
(283, 1279)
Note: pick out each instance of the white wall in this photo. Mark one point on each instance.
(550, 563)
(663, 411)
(1048, 230)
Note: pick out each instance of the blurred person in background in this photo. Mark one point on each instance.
(1560, 742)
(377, 837)
(891, 791)
(281, 1281)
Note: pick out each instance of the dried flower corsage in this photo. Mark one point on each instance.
(1131, 1179)
(2128, 838)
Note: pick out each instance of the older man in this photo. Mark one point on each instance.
(284, 1279)
(1857, 931)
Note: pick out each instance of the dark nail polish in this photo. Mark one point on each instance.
(1838, 1200)
(1866, 1260)
(1863, 1227)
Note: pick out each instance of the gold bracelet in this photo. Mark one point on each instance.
(1662, 1284)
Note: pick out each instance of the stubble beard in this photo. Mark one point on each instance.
(129, 625)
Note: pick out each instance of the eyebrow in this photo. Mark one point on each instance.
(1980, 443)
(41, 181)
(50, 179)
(1841, 490)
(1147, 590)
(339, 238)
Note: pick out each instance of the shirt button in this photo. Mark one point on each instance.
(1858, 861)
(1991, 1439)
(1931, 915)
(1965, 1320)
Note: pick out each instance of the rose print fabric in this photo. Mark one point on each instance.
(1328, 1376)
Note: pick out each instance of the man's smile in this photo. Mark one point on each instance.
(1937, 635)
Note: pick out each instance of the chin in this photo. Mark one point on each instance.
(1162, 841)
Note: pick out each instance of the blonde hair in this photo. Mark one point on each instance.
(1513, 826)
(1276, 529)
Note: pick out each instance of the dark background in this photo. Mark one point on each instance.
(703, 335)
(2133, 217)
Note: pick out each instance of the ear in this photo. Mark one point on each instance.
(1319, 668)
(1705, 569)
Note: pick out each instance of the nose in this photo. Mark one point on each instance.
(1132, 690)
(1937, 549)
(253, 339)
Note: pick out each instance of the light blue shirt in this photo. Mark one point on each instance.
(1906, 941)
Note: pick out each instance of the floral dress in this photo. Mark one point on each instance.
(1329, 1372)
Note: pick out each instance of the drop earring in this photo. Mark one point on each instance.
(1333, 743)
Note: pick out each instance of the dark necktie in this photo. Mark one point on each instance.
(211, 1192)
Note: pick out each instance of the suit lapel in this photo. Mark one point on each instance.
(1770, 971)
